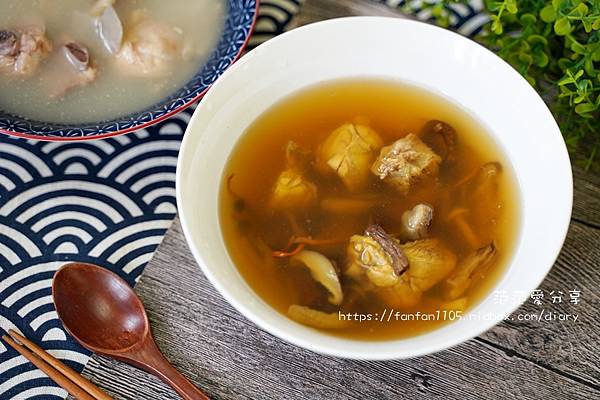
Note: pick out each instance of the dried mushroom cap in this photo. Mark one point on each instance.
(416, 222)
(390, 246)
(77, 55)
(8, 43)
(441, 137)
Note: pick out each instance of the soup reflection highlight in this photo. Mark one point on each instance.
(369, 209)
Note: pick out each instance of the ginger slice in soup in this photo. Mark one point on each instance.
(348, 152)
(317, 319)
(22, 50)
(404, 162)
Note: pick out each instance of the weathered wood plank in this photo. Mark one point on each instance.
(318, 10)
(586, 202)
(571, 347)
(230, 358)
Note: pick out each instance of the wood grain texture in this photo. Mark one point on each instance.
(586, 202)
(318, 10)
(228, 357)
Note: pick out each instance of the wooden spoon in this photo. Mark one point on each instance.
(103, 313)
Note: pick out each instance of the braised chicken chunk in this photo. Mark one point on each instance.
(348, 152)
(22, 50)
(405, 162)
(149, 46)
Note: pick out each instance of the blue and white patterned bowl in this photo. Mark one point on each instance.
(239, 24)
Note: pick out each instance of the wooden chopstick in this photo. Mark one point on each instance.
(64, 376)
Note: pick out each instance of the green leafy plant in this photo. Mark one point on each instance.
(555, 45)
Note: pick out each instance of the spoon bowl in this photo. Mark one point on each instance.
(98, 309)
(103, 313)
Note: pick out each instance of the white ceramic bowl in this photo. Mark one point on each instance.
(411, 52)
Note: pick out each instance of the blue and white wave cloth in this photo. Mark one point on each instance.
(108, 202)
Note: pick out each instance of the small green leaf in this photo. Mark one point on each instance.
(579, 74)
(557, 4)
(585, 108)
(526, 58)
(565, 80)
(537, 39)
(540, 59)
(583, 85)
(531, 80)
(495, 5)
(562, 26)
(596, 24)
(511, 6)
(578, 48)
(588, 66)
(528, 19)
(497, 27)
(565, 91)
(564, 63)
(580, 10)
(548, 14)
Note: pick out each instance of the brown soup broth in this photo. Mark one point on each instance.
(251, 229)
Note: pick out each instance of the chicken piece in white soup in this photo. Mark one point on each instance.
(80, 61)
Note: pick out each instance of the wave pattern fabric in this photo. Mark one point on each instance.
(107, 202)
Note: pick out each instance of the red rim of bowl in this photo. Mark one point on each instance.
(146, 124)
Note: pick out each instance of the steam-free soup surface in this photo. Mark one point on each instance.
(161, 46)
(369, 198)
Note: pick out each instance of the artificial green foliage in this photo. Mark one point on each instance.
(555, 45)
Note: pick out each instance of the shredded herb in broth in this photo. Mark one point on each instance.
(320, 218)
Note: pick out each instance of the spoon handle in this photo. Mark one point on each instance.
(151, 359)
(186, 389)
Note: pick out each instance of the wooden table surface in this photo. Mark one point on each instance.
(230, 358)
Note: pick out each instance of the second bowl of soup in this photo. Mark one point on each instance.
(360, 201)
